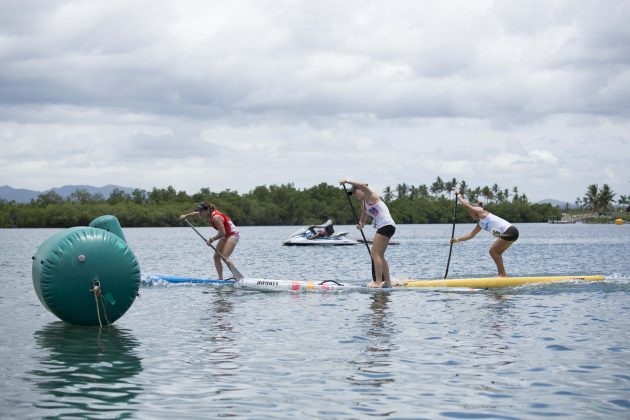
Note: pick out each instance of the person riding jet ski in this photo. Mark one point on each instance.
(325, 230)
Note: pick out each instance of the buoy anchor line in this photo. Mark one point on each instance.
(98, 297)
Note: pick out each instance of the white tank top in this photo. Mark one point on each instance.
(494, 224)
(380, 214)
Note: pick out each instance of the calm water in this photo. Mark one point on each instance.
(201, 352)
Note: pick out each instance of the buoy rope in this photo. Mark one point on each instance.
(104, 309)
(96, 289)
(98, 297)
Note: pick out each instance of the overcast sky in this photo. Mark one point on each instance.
(235, 94)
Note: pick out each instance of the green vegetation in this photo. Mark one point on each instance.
(598, 205)
(602, 201)
(269, 205)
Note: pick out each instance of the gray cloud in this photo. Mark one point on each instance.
(517, 93)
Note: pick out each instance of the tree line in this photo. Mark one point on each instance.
(601, 200)
(270, 205)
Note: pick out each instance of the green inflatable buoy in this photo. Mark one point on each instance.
(86, 275)
(109, 223)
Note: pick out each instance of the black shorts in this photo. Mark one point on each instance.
(387, 230)
(510, 234)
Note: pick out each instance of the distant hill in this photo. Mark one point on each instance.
(557, 203)
(20, 195)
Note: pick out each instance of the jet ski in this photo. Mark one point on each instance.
(302, 235)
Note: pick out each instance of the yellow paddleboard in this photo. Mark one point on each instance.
(487, 282)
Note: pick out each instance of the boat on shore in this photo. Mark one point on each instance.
(565, 219)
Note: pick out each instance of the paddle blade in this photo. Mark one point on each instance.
(235, 273)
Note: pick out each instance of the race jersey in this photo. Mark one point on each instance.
(230, 228)
(494, 224)
(379, 213)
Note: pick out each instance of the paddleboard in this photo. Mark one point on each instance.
(269, 285)
(157, 279)
(490, 282)
(272, 285)
(294, 285)
(463, 283)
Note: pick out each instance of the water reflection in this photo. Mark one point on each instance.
(374, 370)
(493, 349)
(86, 370)
(500, 312)
(218, 330)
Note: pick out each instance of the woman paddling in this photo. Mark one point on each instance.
(504, 231)
(227, 234)
(375, 208)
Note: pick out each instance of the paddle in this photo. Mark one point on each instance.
(356, 218)
(452, 236)
(237, 274)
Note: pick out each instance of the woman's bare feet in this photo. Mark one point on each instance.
(375, 285)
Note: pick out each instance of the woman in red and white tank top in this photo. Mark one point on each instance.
(227, 234)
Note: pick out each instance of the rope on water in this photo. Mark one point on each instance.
(96, 289)
(104, 309)
(98, 298)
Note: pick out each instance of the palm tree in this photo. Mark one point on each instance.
(387, 194)
(413, 192)
(449, 187)
(437, 187)
(495, 190)
(423, 191)
(487, 193)
(590, 198)
(463, 188)
(473, 195)
(623, 201)
(605, 198)
(401, 190)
